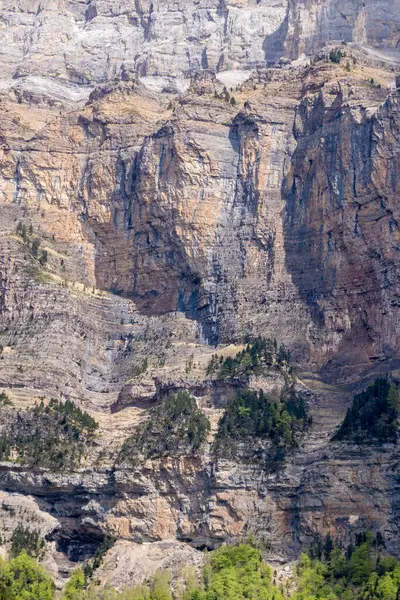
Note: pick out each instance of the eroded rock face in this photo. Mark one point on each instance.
(371, 23)
(22, 511)
(95, 41)
(341, 231)
(175, 218)
(193, 206)
(131, 564)
(322, 486)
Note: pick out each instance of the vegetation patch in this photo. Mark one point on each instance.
(32, 243)
(50, 436)
(258, 354)
(21, 578)
(328, 571)
(175, 427)
(81, 579)
(336, 56)
(225, 95)
(4, 400)
(26, 540)
(253, 417)
(96, 561)
(373, 415)
(361, 572)
(234, 573)
(231, 573)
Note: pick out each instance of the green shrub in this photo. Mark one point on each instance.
(233, 573)
(354, 574)
(259, 353)
(373, 414)
(77, 583)
(53, 436)
(255, 415)
(140, 368)
(27, 540)
(4, 400)
(79, 418)
(21, 230)
(175, 427)
(336, 56)
(236, 573)
(43, 257)
(96, 561)
(34, 247)
(32, 243)
(360, 564)
(23, 579)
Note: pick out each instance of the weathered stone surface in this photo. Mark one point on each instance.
(132, 564)
(174, 221)
(23, 510)
(17, 510)
(196, 213)
(323, 487)
(95, 41)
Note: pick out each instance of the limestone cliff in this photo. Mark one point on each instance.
(175, 176)
(94, 41)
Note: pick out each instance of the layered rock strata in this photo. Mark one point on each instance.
(157, 201)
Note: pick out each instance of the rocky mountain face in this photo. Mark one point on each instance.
(93, 41)
(175, 176)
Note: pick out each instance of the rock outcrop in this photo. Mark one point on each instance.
(131, 564)
(167, 42)
(166, 192)
(200, 210)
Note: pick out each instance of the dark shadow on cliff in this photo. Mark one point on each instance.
(140, 253)
(315, 191)
(304, 243)
(244, 133)
(274, 44)
(338, 241)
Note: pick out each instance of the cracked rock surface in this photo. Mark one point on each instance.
(196, 173)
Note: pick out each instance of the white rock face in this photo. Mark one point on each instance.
(366, 22)
(16, 509)
(130, 564)
(96, 40)
(233, 78)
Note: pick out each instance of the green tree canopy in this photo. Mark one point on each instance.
(23, 579)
